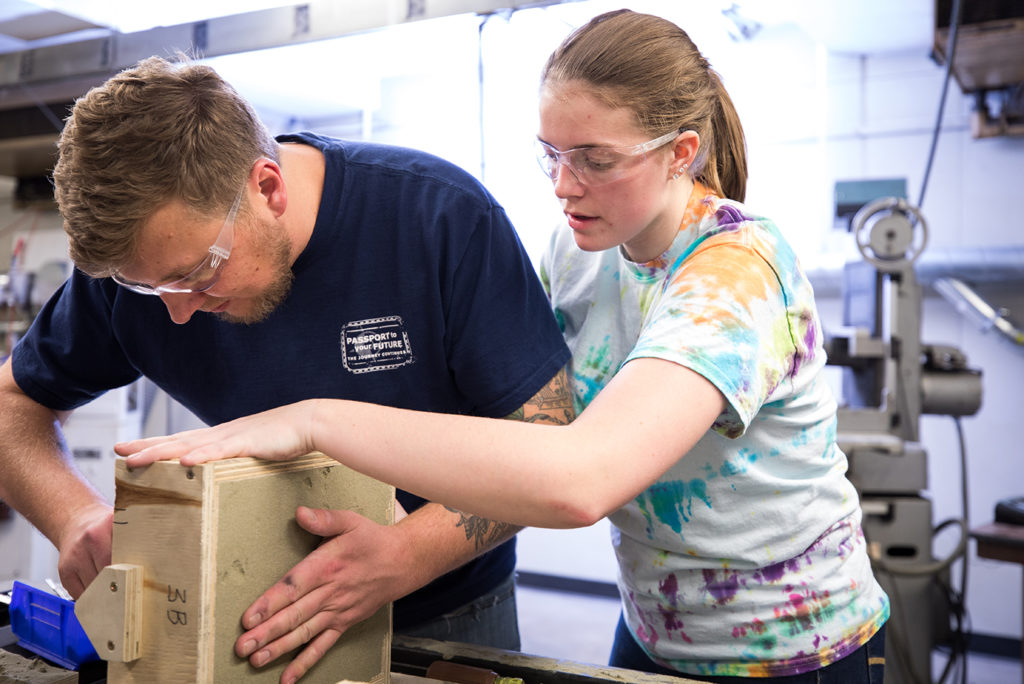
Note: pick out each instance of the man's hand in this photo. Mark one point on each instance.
(344, 581)
(85, 548)
(38, 479)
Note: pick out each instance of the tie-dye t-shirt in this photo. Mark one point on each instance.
(747, 557)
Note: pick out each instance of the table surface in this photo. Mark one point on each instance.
(1004, 542)
(1002, 534)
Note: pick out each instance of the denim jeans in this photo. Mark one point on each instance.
(864, 666)
(488, 620)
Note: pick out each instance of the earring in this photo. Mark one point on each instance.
(679, 173)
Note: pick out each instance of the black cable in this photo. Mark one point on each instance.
(896, 570)
(961, 636)
(953, 658)
(959, 645)
(933, 567)
(958, 599)
(954, 24)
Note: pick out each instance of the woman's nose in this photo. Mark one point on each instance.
(567, 183)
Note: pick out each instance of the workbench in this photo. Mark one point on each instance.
(411, 656)
(1003, 542)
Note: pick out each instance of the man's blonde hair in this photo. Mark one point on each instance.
(156, 132)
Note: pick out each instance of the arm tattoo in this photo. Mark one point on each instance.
(552, 405)
(482, 532)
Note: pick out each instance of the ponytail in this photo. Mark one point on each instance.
(726, 171)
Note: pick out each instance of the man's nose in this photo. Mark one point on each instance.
(181, 305)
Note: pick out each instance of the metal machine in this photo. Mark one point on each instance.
(890, 379)
(16, 306)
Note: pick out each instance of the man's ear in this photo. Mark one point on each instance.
(270, 180)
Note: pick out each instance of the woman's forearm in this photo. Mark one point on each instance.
(523, 473)
(645, 420)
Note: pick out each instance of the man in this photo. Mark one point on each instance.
(292, 268)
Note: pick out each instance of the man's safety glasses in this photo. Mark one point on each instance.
(205, 275)
(593, 166)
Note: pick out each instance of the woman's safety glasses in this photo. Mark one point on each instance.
(593, 166)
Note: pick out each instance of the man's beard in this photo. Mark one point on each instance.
(274, 243)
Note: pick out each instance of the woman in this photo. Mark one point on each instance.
(705, 429)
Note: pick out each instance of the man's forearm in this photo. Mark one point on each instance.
(441, 539)
(484, 534)
(37, 474)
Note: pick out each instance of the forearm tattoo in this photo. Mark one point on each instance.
(482, 532)
(552, 405)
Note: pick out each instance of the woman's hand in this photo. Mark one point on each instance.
(276, 435)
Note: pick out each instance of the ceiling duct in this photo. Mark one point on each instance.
(38, 86)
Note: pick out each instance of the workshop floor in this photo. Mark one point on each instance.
(575, 627)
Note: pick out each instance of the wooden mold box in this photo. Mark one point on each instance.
(209, 541)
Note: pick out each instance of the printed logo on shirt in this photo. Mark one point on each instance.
(375, 344)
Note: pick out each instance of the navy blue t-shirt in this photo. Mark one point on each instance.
(414, 291)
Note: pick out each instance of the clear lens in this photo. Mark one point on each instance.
(205, 275)
(547, 157)
(199, 280)
(141, 288)
(593, 166)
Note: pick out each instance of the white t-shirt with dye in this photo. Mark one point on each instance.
(747, 557)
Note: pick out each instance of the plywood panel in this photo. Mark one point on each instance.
(211, 539)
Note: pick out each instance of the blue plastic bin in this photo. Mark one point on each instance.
(46, 625)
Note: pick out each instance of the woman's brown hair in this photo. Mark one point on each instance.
(650, 66)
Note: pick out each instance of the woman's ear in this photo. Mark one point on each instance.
(685, 150)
